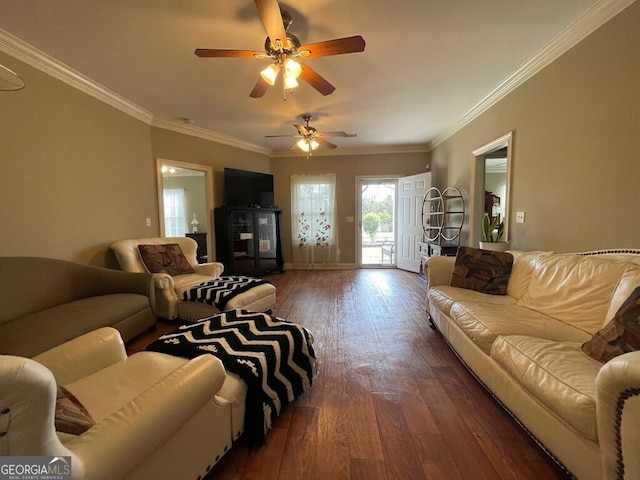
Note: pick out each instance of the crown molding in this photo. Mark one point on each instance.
(205, 134)
(30, 55)
(295, 152)
(587, 23)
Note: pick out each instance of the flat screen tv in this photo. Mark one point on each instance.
(247, 189)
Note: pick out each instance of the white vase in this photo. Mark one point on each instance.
(495, 246)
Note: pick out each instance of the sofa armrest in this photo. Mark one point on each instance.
(84, 355)
(438, 270)
(618, 415)
(212, 269)
(116, 445)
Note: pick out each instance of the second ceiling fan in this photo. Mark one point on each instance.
(285, 50)
(310, 138)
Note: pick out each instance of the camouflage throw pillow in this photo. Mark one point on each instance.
(482, 270)
(620, 335)
(71, 416)
(167, 258)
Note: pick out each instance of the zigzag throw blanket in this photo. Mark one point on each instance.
(219, 291)
(274, 357)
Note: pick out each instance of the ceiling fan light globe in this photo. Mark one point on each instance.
(270, 74)
(313, 144)
(303, 145)
(293, 68)
(290, 82)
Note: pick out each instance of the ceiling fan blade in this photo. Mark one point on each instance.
(281, 136)
(219, 53)
(302, 130)
(334, 47)
(271, 17)
(315, 80)
(335, 134)
(324, 143)
(260, 89)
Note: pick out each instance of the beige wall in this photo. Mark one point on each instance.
(576, 155)
(76, 174)
(346, 169)
(185, 148)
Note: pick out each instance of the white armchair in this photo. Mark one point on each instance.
(169, 289)
(155, 415)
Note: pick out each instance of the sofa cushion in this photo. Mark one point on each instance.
(71, 416)
(482, 270)
(444, 297)
(167, 258)
(558, 374)
(33, 334)
(521, 271)
(126, 380)
(575, 289)
(484, 322)
(620, 335)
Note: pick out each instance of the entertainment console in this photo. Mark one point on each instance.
(248, 240)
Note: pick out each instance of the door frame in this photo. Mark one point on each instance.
(358, 218)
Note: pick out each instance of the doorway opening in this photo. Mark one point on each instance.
(377, 222)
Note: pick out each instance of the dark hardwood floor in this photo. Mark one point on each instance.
(391, 400)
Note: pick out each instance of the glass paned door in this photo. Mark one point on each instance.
(243, 242)
(376, 215)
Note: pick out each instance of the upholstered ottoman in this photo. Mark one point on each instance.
(226, 293)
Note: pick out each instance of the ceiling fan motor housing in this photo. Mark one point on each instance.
(291, 48)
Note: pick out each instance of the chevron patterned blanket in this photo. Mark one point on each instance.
(274, 357)
(219, 291)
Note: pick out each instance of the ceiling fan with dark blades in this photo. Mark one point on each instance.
(310, 138)
(285, 50)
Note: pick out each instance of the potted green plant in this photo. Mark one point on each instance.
(492, 232)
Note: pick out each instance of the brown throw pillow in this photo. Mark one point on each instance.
(71, 416)
(167, 258)
(482, 270)
(620, 335)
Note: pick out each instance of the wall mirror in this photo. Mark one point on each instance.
(185, 202)
(491, 185)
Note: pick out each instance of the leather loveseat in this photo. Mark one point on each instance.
(526, 348)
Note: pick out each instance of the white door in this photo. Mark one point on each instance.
(411, 191)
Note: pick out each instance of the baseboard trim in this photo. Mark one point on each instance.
(321, 266)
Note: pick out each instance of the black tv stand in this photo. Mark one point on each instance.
(248, 240)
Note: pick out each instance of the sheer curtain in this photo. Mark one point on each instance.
(175, 220)
(314, 229)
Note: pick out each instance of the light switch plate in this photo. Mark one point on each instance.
(519, 217)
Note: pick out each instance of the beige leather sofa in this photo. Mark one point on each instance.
(525, 347)
(45, 302)
(169, 289)
(155, 416)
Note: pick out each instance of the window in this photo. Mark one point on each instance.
(175, 222)
(313, 214)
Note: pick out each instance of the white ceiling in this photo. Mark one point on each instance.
(428, 66)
